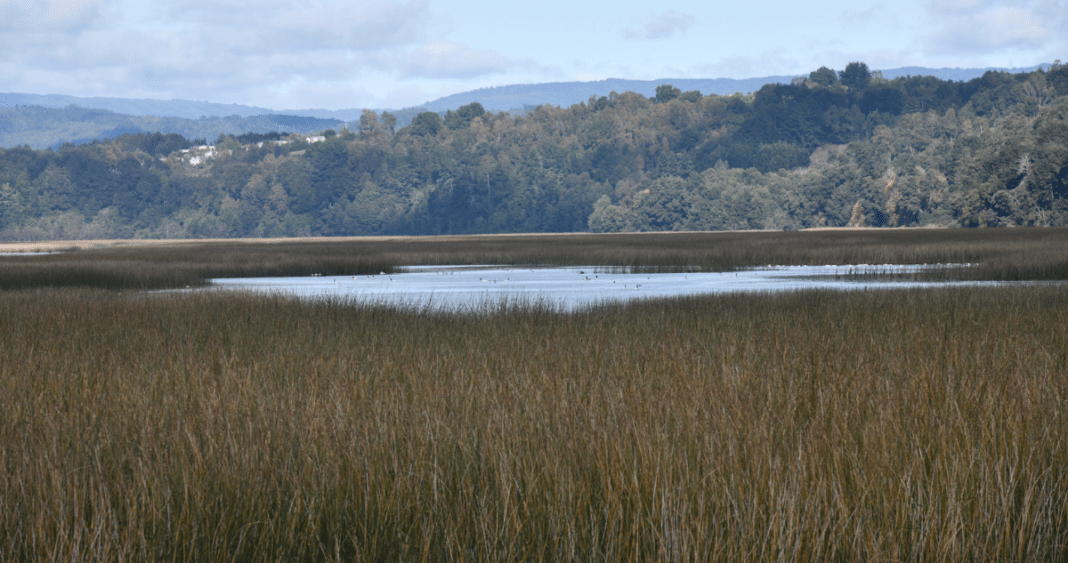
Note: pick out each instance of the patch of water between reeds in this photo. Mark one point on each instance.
(469, 288)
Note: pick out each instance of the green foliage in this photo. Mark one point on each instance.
(824, 76)
(691, 96)
(155, 144)
(369, 124)
(1057, 77)
(665, 93)
(912, 151)
(855, 76)
(254, 138)
(462, 117)
(426, 123)
(388, 121)
(883, 99)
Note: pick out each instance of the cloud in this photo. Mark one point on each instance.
(772, 62)
(445, 59)
(956, 6)
(231, 50)
(222, 31)
(879, 15)
(285, 25)
(981, 27)
(49, 16)
(660, 26)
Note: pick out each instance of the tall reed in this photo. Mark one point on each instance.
(914, 425)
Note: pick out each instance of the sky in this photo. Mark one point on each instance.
(386, 54)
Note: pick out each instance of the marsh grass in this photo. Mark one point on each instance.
(997, 254)
(912, 425)
(185, 265)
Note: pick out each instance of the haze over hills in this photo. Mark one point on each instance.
(187, 109)
(564, 94)
(50, 127)
(43, 121)
(499, 98)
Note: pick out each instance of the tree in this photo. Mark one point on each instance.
(368, 123)
(855, 76)
(463, 116)
(9, 205)
(691, 96)
(608, 218)
(1057, 78)
(823, 76)
(227, 142)
(388, 122)
(665, 93)
(426, 123)
(780, 156)
(1035, 92)
(471, 111)
(882, 100)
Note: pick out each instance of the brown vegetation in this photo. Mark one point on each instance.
(894, 426)
(999, 254)
(907, 425)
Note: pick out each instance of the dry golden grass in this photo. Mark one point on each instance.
(817, 426)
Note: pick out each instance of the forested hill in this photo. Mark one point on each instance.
(518, 96)
(844, 148)
(43, 121)
(44, 127)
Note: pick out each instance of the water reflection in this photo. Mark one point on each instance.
(566, 288)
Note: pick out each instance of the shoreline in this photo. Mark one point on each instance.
(64, 245)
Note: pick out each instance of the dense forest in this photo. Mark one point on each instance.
(845, 148)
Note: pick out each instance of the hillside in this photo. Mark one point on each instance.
(501, 98)
(563, 94)
(187, 109)
(41, 127)
(847, 148)
(43, 121)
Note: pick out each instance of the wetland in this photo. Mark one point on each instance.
(925, 423)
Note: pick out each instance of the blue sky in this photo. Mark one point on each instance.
(336, 54)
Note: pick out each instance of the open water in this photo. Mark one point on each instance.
(564, 288)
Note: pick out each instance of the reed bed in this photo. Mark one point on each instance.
(182, 265)
(911, 425)
(996, 254)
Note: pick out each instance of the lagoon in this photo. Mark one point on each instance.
(566, 288)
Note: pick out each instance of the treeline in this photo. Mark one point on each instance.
(844, 148)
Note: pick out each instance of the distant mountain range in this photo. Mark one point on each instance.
(165, 108)
(564, 94)
(135, 115)
(498, 98)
